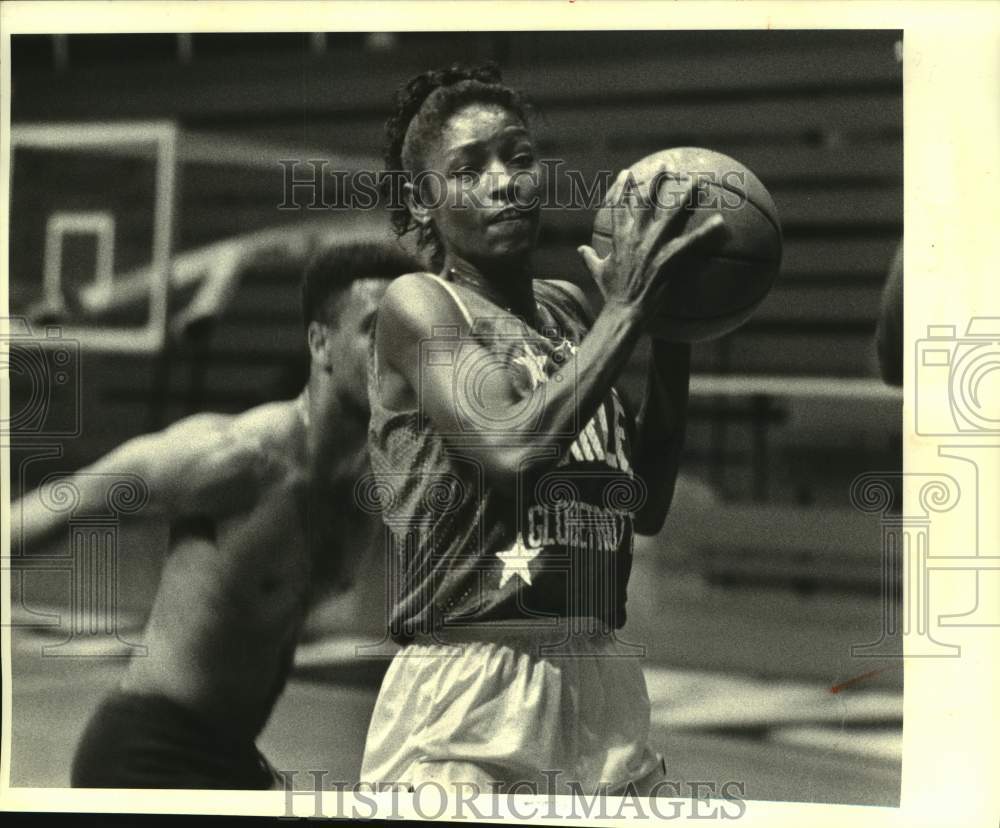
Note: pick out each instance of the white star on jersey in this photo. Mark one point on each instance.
(515, 561)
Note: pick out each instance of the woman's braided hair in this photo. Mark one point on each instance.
(408, 137)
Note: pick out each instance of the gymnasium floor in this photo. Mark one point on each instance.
(786, 739)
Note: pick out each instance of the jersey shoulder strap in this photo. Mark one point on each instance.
(454, 295)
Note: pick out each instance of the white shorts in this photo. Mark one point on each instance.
(498, 711)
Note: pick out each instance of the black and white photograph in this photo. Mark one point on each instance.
(479, 414)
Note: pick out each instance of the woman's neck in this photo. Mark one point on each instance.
(508, 286)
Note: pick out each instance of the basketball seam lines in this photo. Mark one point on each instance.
(740, 309)
(747, 259)
(753, 204)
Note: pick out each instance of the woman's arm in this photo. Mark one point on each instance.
(662, 417)
(509, 427)
(661, 424)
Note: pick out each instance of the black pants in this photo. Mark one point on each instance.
(148, 741)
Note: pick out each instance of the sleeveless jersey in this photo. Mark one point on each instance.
(461, 553)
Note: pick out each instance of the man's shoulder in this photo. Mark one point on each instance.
(279, 419)
(259, 445)
(272, 430)
(186, 439)
(272, 419)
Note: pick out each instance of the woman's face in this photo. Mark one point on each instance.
(482, 186)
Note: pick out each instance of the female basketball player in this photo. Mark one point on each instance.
(515, 475)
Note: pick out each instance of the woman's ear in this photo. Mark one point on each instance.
(415, 205)
(319, 339)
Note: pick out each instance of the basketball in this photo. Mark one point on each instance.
(718, 296)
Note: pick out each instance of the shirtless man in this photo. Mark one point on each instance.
(260, 513)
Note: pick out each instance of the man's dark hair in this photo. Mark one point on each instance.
(333, 268)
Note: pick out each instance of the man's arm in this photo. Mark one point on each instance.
(195, 467)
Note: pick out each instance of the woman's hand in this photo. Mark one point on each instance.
(649, 246)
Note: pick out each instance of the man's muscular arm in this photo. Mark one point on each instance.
(198, 466)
